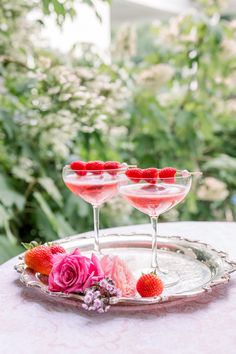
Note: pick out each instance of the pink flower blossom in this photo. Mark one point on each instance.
(118, 271)
(74, 272)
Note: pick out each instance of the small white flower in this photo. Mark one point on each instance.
(88, 298)
(97, 303)
(229, 47)
(101, 310)
(157, 75)
(212, 190)
(103, 283)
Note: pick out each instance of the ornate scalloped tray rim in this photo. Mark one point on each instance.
(30, 279)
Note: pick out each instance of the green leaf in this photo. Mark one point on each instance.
(31, 245)
(64, 228)
(9, 196)
(4, 222)
(4, 216)
(46, 4)
(50, 187)
(22, 173)
(46, 231)
(59, 8)
(84, 209)
(8, 249)
(46, 210)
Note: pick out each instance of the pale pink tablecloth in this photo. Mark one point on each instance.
(32, 324)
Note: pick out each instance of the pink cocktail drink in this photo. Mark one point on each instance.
(96, 182)
(153, 193)
(94, 190)
(153, 200)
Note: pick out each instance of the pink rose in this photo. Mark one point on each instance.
(74, 272)
(118, 271)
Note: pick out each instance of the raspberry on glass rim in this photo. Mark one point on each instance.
(134, 174)
(96, 167)
(153, 174)
(112, 166)
(168, 173)
(79, 167)
(150, 175)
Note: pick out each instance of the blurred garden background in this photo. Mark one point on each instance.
(136, 81)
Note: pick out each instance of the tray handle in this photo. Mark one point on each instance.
(230, 266)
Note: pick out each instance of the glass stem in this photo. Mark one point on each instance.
(154, 220)
(96, 229)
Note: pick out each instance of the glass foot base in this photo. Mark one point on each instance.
(169, 277)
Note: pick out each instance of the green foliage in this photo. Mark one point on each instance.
(52, 110)
(183, 110)
(63, 9)
(170, 103)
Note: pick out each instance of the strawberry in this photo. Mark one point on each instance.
(79, 167)
(168, 173)
(54, 248)
(112, 166)
(95, 166)
(149, 285)
(40, 257)
(134, 174)
(150, 175)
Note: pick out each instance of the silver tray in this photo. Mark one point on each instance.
(200, 267)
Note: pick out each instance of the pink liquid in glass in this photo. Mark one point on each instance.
(94, 190)
(153, 200)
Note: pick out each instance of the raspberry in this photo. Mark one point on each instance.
(95, 167)
(112, 165)
(150, 175)
(167, 174)
(149, 285)
(79, 167)
(134, 174)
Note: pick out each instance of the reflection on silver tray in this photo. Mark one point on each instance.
(199, 266)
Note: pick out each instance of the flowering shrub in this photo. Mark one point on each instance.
(183, 108)
(52, 109)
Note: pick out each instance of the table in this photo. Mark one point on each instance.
(31, 323)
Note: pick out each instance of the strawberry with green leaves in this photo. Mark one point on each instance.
(40, 257)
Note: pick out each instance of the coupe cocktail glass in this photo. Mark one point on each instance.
(96, 188)
(154, 200)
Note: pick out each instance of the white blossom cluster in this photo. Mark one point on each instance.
(97, 297)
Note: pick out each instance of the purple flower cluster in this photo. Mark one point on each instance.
(97, 297)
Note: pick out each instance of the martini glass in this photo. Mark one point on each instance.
(155, 199)
(96, 188)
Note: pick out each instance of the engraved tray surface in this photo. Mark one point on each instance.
(200, 267)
